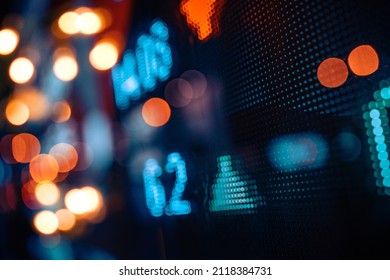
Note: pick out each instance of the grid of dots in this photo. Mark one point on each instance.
(272, 50)
(233, 190)
(378, 132)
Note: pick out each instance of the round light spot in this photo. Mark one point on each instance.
(66, 156)
(46, 222)
(156, 112)
(66, 219)
(17, 112)
(9, 40)
(89, 23)
(25, 147)
(363, 60)
(36, 102)
(43, 167)
(178, 93)
(197, 81)
(61, 112)
(103, 56)
(68, 23)
(332, 72)
(65, 68)
(47, 193)
(21, 70)
(82, 201)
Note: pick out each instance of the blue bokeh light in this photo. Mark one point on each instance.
(291, 153)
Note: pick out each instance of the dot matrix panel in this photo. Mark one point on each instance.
(253, 129)
(304, 144)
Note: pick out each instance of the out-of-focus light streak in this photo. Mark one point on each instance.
(156, 112)
(25, 147)
(21, 70)
(9, 40)
(46, 222)
(104, 55)
(97, 135)
(17, 112)
(140, 71)
(202, 16)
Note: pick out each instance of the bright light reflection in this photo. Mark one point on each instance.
(46, 222)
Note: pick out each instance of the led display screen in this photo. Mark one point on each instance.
(195, 129)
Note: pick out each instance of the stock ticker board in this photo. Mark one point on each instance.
(196, 129)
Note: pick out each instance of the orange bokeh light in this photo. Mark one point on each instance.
(156, 112)
(363, 60)
(21, 70)
(66, 156)
(61, 112)
(332, 72)
(28, 195)
(66, 219)
(17, 112)
(25, 147)
(200, 15)
(43, 167)
(35, 100)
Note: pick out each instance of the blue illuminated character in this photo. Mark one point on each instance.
(155, 191)
(140, 71)
(377, 124)
(233, 189)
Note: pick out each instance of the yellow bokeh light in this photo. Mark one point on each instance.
(103, 56)
(83, 201)
(17, 112)
(66, 219)
(65, 68)
(68, 23)
(47, 193)
(46, 222)
(9, 40)
(89, 23)
(21, 70)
